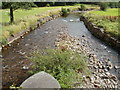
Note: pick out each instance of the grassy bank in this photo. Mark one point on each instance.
(108, 20)
(88, 6)
(21, 13)
(25, 19)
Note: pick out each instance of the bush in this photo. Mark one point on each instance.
(114, 5)
(83, 8)
(103, 6)
(64, 12)
(68, 10)
(63, 65)
(47, 5)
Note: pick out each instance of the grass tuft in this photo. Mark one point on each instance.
(66, 66)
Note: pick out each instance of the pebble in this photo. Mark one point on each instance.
(25, 68)
(26, 44)
(100, 77)
(116, 67)
(46, 32)
(1, 56)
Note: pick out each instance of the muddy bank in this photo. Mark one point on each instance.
(99, 33)
(100, 76)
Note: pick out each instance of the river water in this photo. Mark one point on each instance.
(77, 28)
(16, 65)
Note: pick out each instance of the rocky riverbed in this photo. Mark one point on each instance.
(101, 77)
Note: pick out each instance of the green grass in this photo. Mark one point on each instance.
(24, 19)
(109, 25)
(19, 14)
(109, 12)
(88, 5)
(62, 65)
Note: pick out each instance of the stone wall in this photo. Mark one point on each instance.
(99, 33)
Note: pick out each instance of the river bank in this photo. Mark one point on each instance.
(101, 34)
(101, 77)
(15, 63)
(44, 37)
(24, 24)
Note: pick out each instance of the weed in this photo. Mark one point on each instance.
(63, 65)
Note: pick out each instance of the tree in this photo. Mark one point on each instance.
(103, 6)
(15, 5)
(114, 5)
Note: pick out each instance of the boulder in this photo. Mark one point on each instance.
(40, 80)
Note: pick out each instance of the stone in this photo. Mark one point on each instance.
(9, 45)
(83, 35)
(26, 44)
(22, 53)
(104, 76)
(116, 67)
(1, 56)
(113, 77)
(40, 80)
(25, 68)
(100, 66)
(97, 85)
(46, 32)
(107, 73)
(105, 70)
(92, 79)
(96, 67)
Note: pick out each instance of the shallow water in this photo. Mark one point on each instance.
(103, 51)
(44, 37)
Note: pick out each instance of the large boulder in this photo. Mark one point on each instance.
(40, 80)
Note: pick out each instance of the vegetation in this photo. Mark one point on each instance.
(65, 11)
(15, 5)
(103, 6)
(108, 12)
(66, 66)
(114, 4)
(108, 20)
(83, 7)
(25, 19)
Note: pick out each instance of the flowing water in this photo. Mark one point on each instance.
(103, 51)
(16, 65)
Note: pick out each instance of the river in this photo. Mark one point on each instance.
(16, 65)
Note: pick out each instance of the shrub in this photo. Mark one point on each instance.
(83, 8)
(68, 10)
(114, 5)
(63, 65)
(64, 12)
(47, 5)
(103, 6)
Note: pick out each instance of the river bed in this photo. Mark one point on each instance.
(77, 29)
(16, 65)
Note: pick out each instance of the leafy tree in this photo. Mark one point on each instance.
(114, 5)
(103, 6)
(15, 5)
